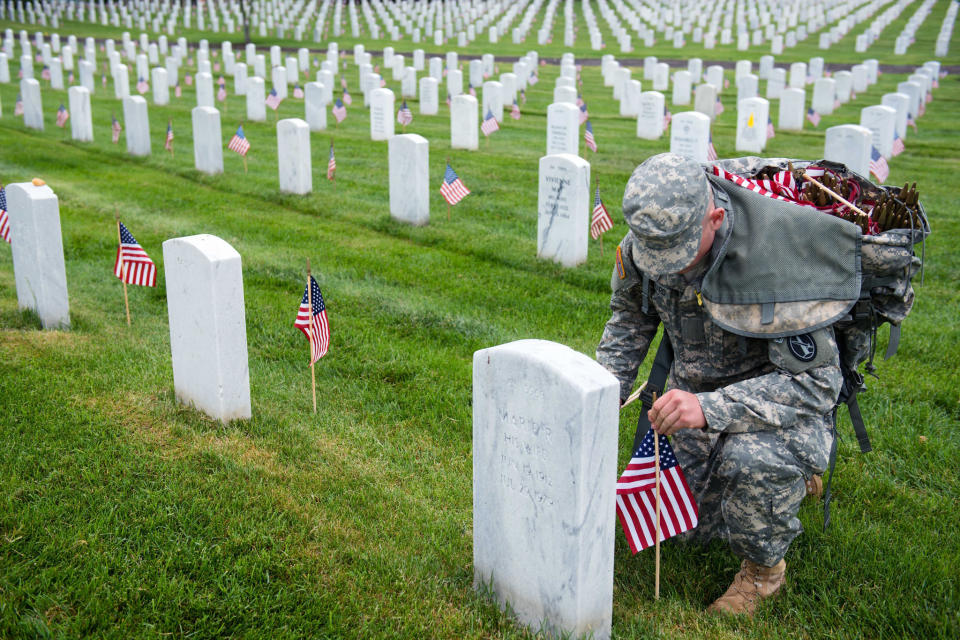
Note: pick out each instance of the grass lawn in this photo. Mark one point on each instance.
(124, 514)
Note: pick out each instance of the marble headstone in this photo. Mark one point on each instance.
(464, 122)
(256, 99)
(901, 103)
(409, 178)
(882, 122)
(315, 106)
(824, 93)
(136, 125)
(81, 122)
(563, 129)
(381, 114)
(207, 140)
(32, 104)
(849, 144)
(752, 114)
(293, 156)
(563, 209)
(428, 96)
(792, 112)
(650, 118)
(690, 134)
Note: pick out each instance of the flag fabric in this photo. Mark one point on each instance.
(239, 142)
(347, 98)
(70, 78)
(584, 114)
(580, 102)
(343, 82)
(404, 115)
(813, 117)
(523, 96)
(133, 265)
(315, 327)
(331, 164)
(4, 218)
(448, 99)
(188, 79)
(142, 86)
(62, 116)
(533, 79)
(339, 111)
(711, 151)
(636, 496)
(878, 165)
(45, 74)
(601, 221)
(18, 106)
(897, 144)
(222, 92)
(911, 121)
(168, 141)
(489, 124)
(588, 138)
(515, 111)
(667, 118)
(273, 100)
(297, 92)
(718, 107)
(471, 90)
(452, 189)
(770, 131)
(115, 130)
(103, 80)
(177, 91)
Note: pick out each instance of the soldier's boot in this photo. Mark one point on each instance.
(751, 584)
(815, 486)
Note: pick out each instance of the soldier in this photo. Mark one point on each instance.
(749, 417)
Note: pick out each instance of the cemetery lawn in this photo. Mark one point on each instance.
(125, 514)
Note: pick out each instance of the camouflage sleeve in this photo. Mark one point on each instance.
(628, 333)
(799, 389)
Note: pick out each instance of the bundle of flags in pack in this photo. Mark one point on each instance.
(813, 117)
(62, 116)
(115, 130)
(404, 115)
(515, 111)
(4, 217)
(312, 320)
(637, 496)
(239, 142)
(168, 141)
(339, 111)
(331, 164)
(133, 265)
(600, 222)
(452, 188)
(273, 100)
(588, 138)
(489, 124)
(878, 165)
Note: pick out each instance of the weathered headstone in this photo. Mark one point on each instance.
(690, 134)
(136, 125)
(544, 475)
(752, 114)
(293, 156)
(464, 122)
(563, 207)
(563, 129)
(409, 178)
(849, 144)
(37, 248)
(208, 333)
(381, 114)
(81, 122)
(207, 140)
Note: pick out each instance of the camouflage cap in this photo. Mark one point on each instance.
(664, 204)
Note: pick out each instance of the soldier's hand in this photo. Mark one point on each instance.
(676, 410)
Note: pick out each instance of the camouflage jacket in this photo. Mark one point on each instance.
(743, 384)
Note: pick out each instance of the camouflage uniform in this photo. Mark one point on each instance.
(766, 411)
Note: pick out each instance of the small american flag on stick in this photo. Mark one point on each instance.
(142, 86)
(133, 265)
(588, 138)
(168, 141)
(718, 107)
(770, 130)
(878, 165)
(239, 142)
(4, 218)
(312, 320)
(297, 92)
(667, 118)
(115, 129)
(601, 221)
(331, 164)
(813, 117)
(489, 124)
(273, 100)
(711, 150)
(339, 111)
(222, 92)
(584, 114)
(452, 189)
(62, 116)
(898, 147)
(404, 115)
(18, 106)
(515, 111)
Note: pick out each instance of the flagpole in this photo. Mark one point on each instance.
(656, 537)
(313, 377)
(123, 267)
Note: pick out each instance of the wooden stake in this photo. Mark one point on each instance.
(244, 163)
(123, 267)
(634, 395)
(656, 464)
(313, 377)
(833, 193)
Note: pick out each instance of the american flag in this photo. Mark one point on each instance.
(533, 79)
(588, 137)
(315, 327)
(523, 96)
(222, 92)
(239, 142)
(103, 80)
(580, 102)
(273, 100)
(331, 164)
(452, 189)
(177, 91)
(770, 131)
(711, 151)
(601, 221)
(667, 118)
(515, 111)
(339, 111)
(188, 79)
(404, 115)
(636, 496)
(343, 83)
(813, 117)
(142, 86)
(878, 165)
(383, 82)
(489, 124)
(133, 265)
(45, 74)
(584, 114)
(448, 98)
(70, 78)
(4, 218)
(929, 97)
(718, 107)
(911, 121)
(297, 92)
(115, 130)
(62, 116)
(216, 65)
(168, 141)
(347, 98)
(18, 106)
(897, 144)
(471, 90)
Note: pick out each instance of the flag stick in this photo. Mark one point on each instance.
(123, 268)
(634, 395)
(313, 377)
(656, 536)
(600, 237)
(244, 163)
(833, 193)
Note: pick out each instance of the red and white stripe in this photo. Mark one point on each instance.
(637, 511)
(600, 224)
(4, 225)
(238, 144)
(748, 184)
(134, 266)
(318, 332)
(454, 192)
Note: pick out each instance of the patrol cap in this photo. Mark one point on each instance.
(664, 204)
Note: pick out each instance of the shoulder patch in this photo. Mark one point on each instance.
(806, 351)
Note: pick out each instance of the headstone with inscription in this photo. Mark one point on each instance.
(651, 114)
(792, 112)
(81, 123)
(705, 100)
(428, 96)
(381, 114)
(136, 125)
(882, 122)
(901, 103)
(563, 209)
(690, 134)
(563, 129)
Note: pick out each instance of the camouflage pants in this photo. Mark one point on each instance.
(752, 497)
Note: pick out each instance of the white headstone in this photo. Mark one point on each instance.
(32, 104)
(81, 122)
(509, 82)
(204, 90)
(630, 101)
(315, 106)
(844, 85)
(381, 114)
(409, 178)
(240, 79)
(858, 74)
(563, 129)
(293, 156)
(256, 97)
(882, 122)
(792, 110)
(278, 77)
(752, 114)
(776, 84)
(901, 103)
(207, 140)
(208, 333)
(86, 75)
(37, 248)
(824, 93)
(464, 122)
(747, 85)
(563, 207)
(454, 82)
(715, 76)
(681, 88)
(705, 100)
(849, 144)
(661, 76)
(695, 67)
(915, 91)
(136, 125)
(544, 474)
(650, 117)
(408, 83)
(569, 95)
(428, 96)
(161, 89)
(492, 99)
(690, 134)
(121, 82)
(798, 75)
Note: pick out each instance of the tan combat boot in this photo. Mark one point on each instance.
(815, 487)
(751, 583)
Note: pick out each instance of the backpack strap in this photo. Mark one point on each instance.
(655, 385)
(831, 466)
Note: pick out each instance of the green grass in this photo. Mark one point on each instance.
(124, 514)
